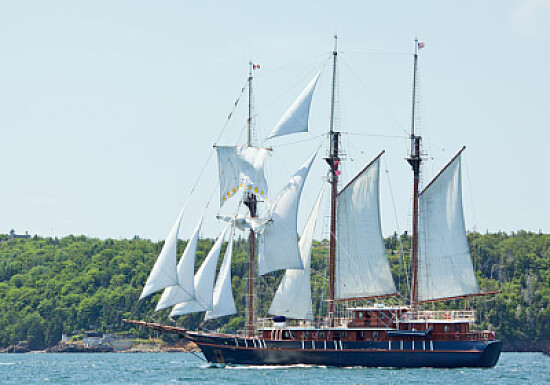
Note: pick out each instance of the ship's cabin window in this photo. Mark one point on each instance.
(306, 335)
(382, 315)
(361, 335)
(344, 335)
(360, 314)
(446, 328)
(336, 335)
(457, 329)
(375, 335)
(322, 335)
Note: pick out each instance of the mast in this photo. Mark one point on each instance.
(415, 160)
(333, 161)
(251, 202)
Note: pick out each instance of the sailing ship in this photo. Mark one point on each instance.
(373, 336)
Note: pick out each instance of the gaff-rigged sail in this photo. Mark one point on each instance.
(204, 282)
(296, 118)
(224, 303)
(185, 291)
(278, 243)
(293, 297)
(241, 169)
(445, 267)
(164, 272)
(362, 267)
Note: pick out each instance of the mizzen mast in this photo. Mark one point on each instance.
(251, 202)
(415, 160)
(333, 161)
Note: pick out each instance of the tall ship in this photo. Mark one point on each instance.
(371, 334)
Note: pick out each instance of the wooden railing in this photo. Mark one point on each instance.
(451, 315)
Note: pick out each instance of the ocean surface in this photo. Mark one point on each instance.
(184, 368)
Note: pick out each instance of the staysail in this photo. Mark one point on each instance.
(296, 118)
(362, 267)
(293, 297)
(278, 243)
(241, 169)
(224, 303)
(445, 267)
(185, 291)
(204, 282)
(164, 272)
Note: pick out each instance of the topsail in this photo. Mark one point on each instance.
(241, 169)
(296, 118)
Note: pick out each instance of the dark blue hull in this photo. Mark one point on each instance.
(400, 354)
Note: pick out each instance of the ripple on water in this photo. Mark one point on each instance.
(181, 368)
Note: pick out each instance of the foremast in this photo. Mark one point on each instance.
(333, 160)
(415, 160)
(251, 202)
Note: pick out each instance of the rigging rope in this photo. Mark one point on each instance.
(402, 262)
(379, 52)
(375, 98)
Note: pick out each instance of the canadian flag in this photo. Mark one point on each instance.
(255, 66)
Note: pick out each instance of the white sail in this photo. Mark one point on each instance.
(278, 243)
(445, 267)
(224, 304)
(296, 118)
(204, 282)
(362, 268)
(185, 291)
(164, 272)
(293, 297)
(241, 168)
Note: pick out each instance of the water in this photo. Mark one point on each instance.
(182, 368)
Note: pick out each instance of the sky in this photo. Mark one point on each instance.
(109, 110)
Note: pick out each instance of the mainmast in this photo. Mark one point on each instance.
(415, 160)
(251, 202)
(333, 161)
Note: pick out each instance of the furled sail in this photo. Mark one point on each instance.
(241, 168)
(164, 272)
(204, 282)
(445, 267)
(224, 303)
(278, 243)
(245, 222)
(296, 118)
(293, 297)
(362, 267)
(185, 291)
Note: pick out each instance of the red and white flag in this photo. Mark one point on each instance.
(421, 45)
(255, 66)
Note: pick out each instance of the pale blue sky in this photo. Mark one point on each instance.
(109, 109)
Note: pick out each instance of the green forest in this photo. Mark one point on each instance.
(50, 286)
